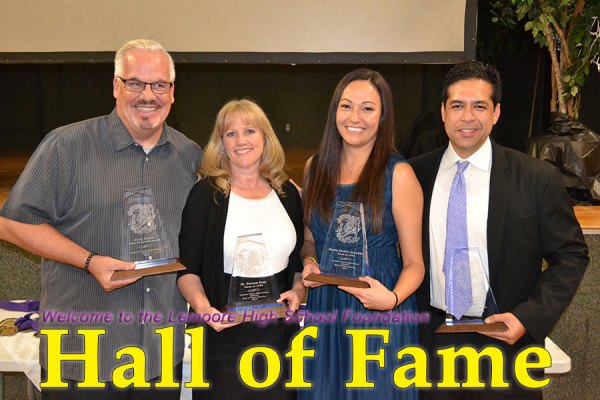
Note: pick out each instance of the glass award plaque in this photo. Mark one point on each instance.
(144, 237)
(253, 291)
(482, 303)
(344, 257)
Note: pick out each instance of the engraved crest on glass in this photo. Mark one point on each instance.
(144, 236)
(345, 255)
(253, 290)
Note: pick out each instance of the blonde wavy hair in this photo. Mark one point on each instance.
(215, 163)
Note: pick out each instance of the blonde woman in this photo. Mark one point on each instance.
(243, 190)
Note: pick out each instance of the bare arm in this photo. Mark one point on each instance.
(45, 241)
(294, 296)
(191, 288)
(407, 208)
(308, 253)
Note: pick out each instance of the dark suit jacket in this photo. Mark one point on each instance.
(530, 217)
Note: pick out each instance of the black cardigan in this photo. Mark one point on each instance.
(201, 237)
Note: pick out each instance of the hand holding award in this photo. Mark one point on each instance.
(253, 291)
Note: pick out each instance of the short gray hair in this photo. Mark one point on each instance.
(145, 45)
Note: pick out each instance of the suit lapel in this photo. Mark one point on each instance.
(500, 187)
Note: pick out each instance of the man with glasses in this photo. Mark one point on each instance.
(68, 207)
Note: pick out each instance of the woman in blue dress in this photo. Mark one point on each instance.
(357, 162)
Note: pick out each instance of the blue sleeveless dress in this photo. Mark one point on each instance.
(332, 365)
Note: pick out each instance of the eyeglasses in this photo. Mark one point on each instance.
(133, 85)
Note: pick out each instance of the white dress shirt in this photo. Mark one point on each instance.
(477, 178)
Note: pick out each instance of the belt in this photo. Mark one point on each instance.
(442, 313)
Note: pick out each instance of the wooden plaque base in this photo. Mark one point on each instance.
(159, 269)
(337, 280)
(471, 328)
(254, 314)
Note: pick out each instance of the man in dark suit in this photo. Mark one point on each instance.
(517, 213)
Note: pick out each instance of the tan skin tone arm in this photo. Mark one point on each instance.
(45, 241)
(309, 250)
(191, 288)
(308, 253)
(294, 296)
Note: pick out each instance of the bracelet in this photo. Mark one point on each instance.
(396, 302)
(86, 268)
(310, 258)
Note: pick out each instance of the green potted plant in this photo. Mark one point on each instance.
(570, 31)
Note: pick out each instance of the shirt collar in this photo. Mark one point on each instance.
(122, 138)
(482, 158)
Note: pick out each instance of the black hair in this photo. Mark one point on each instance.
(474, 70)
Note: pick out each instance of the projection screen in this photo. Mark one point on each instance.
(243, 31)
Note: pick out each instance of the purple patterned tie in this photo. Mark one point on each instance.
(456, 256)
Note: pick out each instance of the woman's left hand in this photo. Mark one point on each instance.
(377, 297)
(292, 298)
